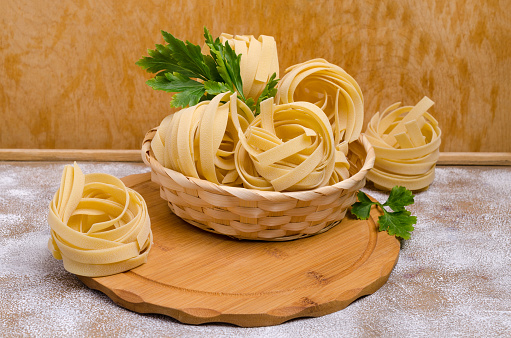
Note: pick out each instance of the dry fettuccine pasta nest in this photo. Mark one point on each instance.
(289, 147)
(406, 142)
(200, 141)
(332, 89)
(98, 226)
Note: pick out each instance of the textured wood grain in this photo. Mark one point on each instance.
(198, 277)
(68, 76)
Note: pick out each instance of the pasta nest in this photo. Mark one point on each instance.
(258, 62)
(98, 226)
(200, 141)
(332, 89)
(289, 147)
(406, 141)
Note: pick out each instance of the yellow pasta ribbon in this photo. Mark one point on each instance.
(200, 141)
(332, 89)
(259, 60)
(286, 148)
(289, 147)
(99, 227)
(406, 142)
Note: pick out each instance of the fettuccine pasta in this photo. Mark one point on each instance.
(286, 147)
(299, 143)
(289, 147)
(406, 142)
(200, 141)
(99, 227)
(259, 60)
(332, 89)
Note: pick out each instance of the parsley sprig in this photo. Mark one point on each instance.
(399, 221)
(181, 68)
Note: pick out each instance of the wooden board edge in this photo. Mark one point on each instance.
(197, 316)
(136, 179)
(133, 155)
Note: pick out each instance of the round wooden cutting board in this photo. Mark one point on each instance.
(197, 277)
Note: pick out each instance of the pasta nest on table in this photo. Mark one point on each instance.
(99, 226)
(406, 142)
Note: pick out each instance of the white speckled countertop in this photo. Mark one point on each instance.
(453, 277)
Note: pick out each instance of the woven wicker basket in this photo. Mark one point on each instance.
(260, 215)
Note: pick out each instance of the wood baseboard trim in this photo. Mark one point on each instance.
(474, 158)
(95, 155)
(104, 155)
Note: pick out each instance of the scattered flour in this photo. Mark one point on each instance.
(452, 277)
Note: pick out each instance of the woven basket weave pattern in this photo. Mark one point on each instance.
(260, 215)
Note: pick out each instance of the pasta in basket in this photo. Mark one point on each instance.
(332, 89)
(287, 147)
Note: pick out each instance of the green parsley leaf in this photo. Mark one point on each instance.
(399, 222)
(173, 83)
(187, 98)
(362, 208)
(182, 69)
(215, 88)
(399, 198)
(190, 57)
(251, 104)
(228, 63)
(188, 92)
(161, 60)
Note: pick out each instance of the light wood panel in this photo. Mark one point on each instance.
(68, 76)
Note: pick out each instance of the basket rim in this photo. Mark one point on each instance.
(246, 193)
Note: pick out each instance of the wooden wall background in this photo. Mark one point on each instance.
(68, 77)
